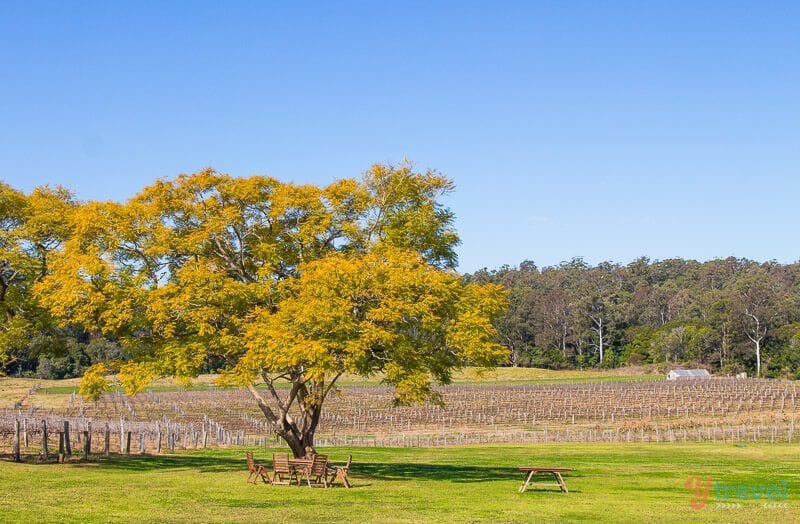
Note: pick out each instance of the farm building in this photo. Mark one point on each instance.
(681, 374)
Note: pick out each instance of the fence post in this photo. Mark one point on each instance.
(86, 444)
(67, 445)
(107, 443)
(127, 442)
(61, 447)
(16, 440)
(44, 439)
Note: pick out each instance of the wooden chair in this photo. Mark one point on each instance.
(255, 469)
(317, 472)
(282, 472)
(340, 472)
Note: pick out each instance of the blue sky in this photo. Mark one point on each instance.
(607, 130)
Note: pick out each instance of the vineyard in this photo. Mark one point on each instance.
(725, 410)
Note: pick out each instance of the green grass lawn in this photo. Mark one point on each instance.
(610, 483)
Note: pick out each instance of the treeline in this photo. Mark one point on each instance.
(728, 315)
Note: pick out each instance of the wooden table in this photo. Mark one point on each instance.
(300, 466)
(556, 472)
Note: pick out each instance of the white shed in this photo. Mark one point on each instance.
(683, 374)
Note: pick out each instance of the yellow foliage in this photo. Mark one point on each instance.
(385, 311)
(94, 382)
(271, 278)
(135, 376)
(32, 228)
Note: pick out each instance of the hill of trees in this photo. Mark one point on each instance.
(728, 315)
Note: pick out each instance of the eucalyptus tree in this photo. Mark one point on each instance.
(760, 299)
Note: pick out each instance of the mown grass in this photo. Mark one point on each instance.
(13, 389)
(610, 483)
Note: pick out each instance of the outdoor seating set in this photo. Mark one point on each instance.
(313, 469)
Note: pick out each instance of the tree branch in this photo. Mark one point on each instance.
(262, 404)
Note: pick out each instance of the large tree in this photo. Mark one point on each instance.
(277, 282)
(387, 311)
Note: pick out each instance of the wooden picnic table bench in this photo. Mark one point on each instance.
(556, 472)
(300, 467)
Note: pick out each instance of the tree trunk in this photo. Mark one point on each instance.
(512, 353)
(3, 290)
(297, 436)
(600, 333)
(300, 438)
(758, 334)
(597, 327)
(758, 358)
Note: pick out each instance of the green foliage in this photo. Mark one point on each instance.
(667, 313)
(547, 358)
(639, 350)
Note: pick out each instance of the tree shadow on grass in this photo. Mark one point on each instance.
(144, 463)
(200, 464)
(368, 470)
(360, 472)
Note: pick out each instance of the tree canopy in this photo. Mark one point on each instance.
(266, 280)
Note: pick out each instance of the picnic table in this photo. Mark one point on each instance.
(300, 462)
(300, 466)
(556, 472)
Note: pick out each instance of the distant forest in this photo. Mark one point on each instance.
(728, 315)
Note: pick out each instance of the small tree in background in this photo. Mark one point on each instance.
(760, 297)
